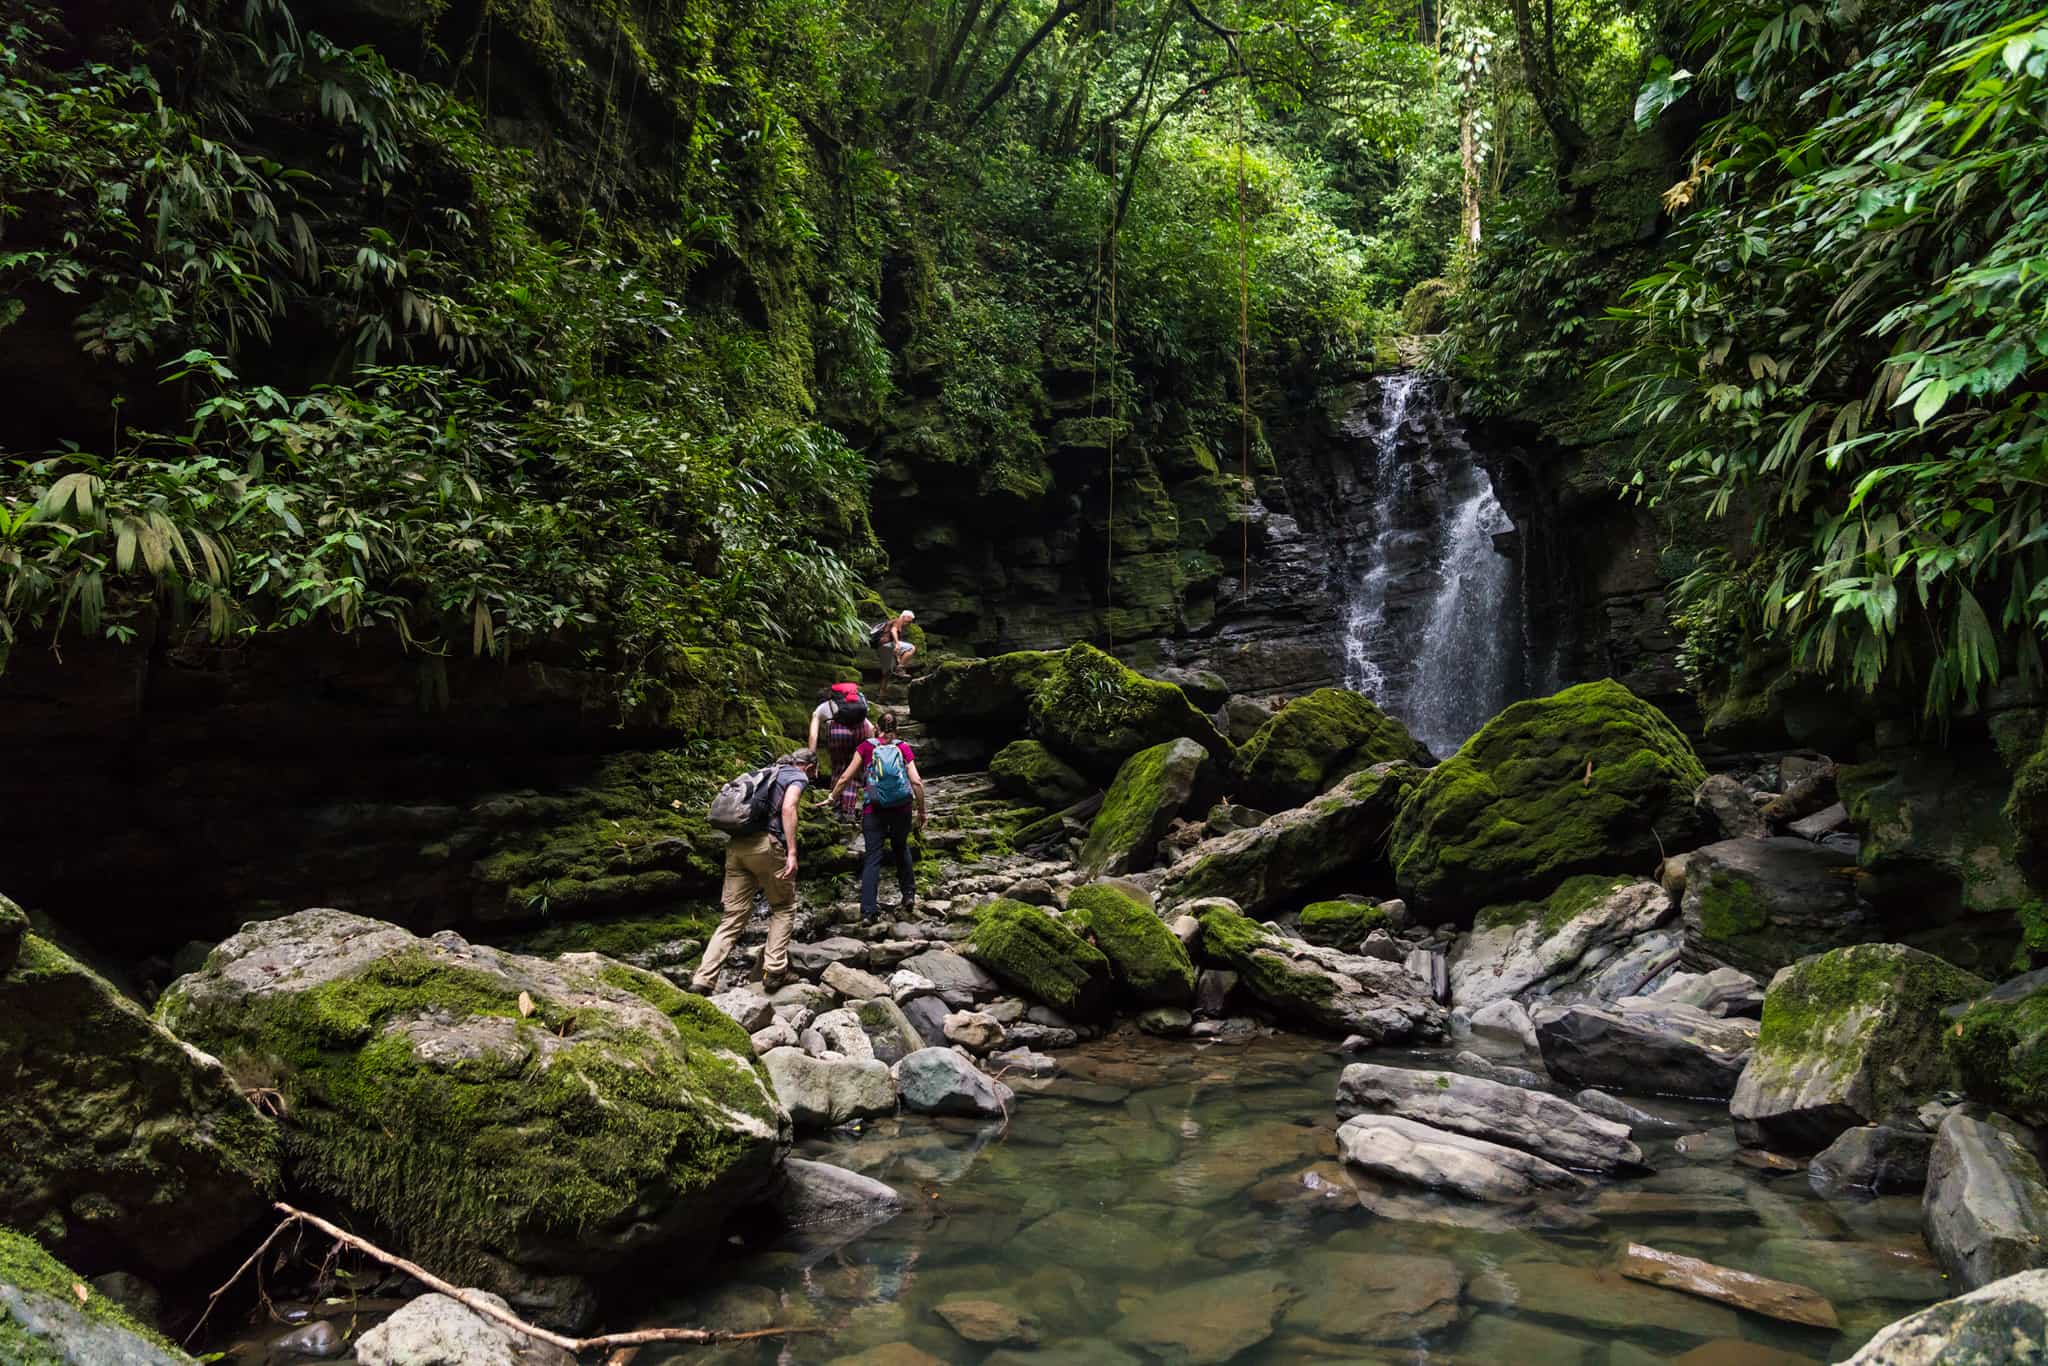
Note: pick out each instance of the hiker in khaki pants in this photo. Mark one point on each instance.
(764, 862)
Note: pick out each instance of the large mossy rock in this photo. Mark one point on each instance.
(1096, 712)
(1763, 904)
(1289, 855)
(1341, 924)
(512, 1122)
(990, 697)
(1028, 771)
(125, 1149)
(1150, 962)
(1935, 840)
(1370, 997)
(2000, 1046)
(1041, 957)
(1849, 1037)
(1315, 741)
(1587, 780)
(1150, 790)
(44, 1323)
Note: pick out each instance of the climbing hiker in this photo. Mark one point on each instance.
(890, 640)
(758, 811)
(841, 720)
(893, 806)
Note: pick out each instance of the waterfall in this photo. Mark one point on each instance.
(1431, 608)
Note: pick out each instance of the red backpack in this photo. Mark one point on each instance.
(849, 708)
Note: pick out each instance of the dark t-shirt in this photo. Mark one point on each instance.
(785, 778)
(867, 756)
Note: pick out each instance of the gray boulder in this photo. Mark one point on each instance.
(938, 1081)
(1473, 1065)
(1985, 1212)
(1335, 991)
(854, 983)
(891, 1032)
(1727, 805)
(42, 1323)
(748, 1008)
(1621, 1112)
(1437, 1159)
(823, 1093)
(818, 1195)
(1546, 1125)
(1614, 945)
(1760, 904)
(1643, 1048)
(1851, 1037)
(2001, 1324)
(960, 982)
(1506, 1019)
(1722, 991)
(927, 1016)
(1873, 1158)
(436, 1330)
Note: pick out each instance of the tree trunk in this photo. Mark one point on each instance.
(1468, 157)
(1537, 73)
(1062, 12)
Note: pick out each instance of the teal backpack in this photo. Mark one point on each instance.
(888, 775)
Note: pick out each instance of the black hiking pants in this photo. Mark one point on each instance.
(890, 823)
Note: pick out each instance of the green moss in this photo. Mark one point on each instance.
(2000, 1048)
(26, 1265)
(1730, 908)
(1340, 924)
(1027, 769)
(1587, 778)
(1234, 941)
(1313, 741)
(2026, 811)
(624, 938)
(1097, 712)
(1146, 794)
(981, 696)
(1149, 960)
(1043, 958)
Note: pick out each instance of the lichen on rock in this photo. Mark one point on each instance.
(1315, 741)
(1038, 955)
(1151, 963)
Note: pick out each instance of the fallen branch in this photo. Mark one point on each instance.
(628, 1343)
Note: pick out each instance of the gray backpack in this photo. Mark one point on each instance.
(741, 806)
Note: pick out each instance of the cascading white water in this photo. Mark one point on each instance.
(1431, 609)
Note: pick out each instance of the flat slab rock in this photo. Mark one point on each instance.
(1546, 1125)
(1209, 1321)
(1437, 1159)
(1645, 1048)
(1758, 1294)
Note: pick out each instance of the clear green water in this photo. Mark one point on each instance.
(1189, 1198)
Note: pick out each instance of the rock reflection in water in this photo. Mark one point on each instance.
(1203, 1217)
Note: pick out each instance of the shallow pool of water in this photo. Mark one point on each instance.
(1172, 1202)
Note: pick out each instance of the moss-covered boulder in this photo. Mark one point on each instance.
(1304, 984)
(2000, 1046)
(1761, 904)
(43, 1322)
(1149, 961)
(1028, 771)
(1097, 712)
(1314, 741)
(1586, 780)
(125, 1149)
(1935, 839)
(990, 697)
(512, 1122)
(1341, 924)
(13, 927)
(1849, 1037)
(1042, 958)
(1289, 855)
(1150, 790)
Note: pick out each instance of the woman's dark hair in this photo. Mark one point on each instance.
(825, 693)
(886, 723)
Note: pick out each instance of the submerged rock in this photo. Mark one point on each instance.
(1042, 957)
(1758, 1294)
(1534, 1121)
(2000, 1324)
(1437, 1159)
(1850, 1037)
(1150, 790)
(1621, 1112)
(123, 1146)
(1594, 938)
(43, 1321)
(814, 1195)
(1588, 779)
(1375, 1297)
(1985, 1212)
(1313, 742)
(517, 1121)
(1760, 904)
(1642, 1048)
(1208, 1321)
(1335, 991)
(1150, 962)
(1282, 858)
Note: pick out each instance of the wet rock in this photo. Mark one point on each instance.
(1438, 1159)
(1985, 1212)
(1723, 991)
(676, 1124)
(1335, 991)
(1506, 1019)
(1533, 1121)
(436, 1330)
(1769, 1163)
(1759, 905)
(818, 1195)
(1215, 988)
(1030, 1034)
(1209, 1321)
(1821, 823)
(746, 1007)
(1264, 868)
(1728, 806)
(987, 1322)
(1998, 1324)
(1602, 1301)
(1634, 1046)
(1367, 1297)
(124, 1147)
(1024, 1062)
(1563, 949)
(1850, 1037)
(938, 1081)
(1168, 1022)
(1149, 791)
(319, 1340)
(1854, 1270)
(973, 1030)
(823, 1093)
(889, 1030)
(853, 982)
(1936, 838)
(1472, 1064)
(1066, 712)
(1204, 687)
(2000, 1041)
(1639, 1122)
(1758, 1294)
(959, 981)
(1873, 1158)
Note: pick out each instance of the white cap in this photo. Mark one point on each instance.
(909, 615)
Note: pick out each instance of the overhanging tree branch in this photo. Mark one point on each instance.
(1063, 11)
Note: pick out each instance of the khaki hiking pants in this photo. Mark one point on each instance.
(752, 863)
